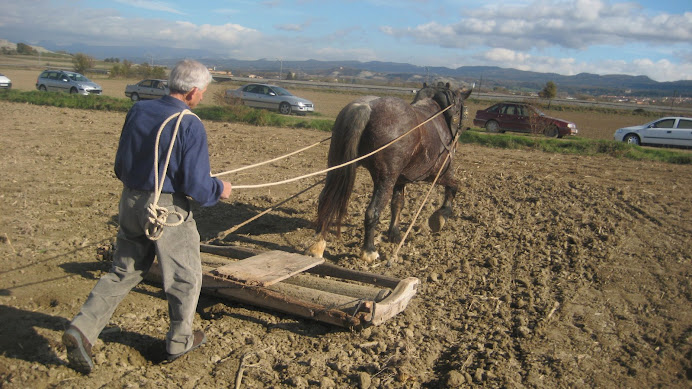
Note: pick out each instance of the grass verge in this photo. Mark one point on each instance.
(226, 113)
(577, 146)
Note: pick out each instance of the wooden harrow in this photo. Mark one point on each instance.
(301, 285)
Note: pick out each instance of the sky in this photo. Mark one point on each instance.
(640, 37)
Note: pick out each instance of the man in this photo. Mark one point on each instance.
(177, 247)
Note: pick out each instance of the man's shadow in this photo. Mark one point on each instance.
(20, 340)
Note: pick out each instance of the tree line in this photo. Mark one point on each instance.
(83, 62)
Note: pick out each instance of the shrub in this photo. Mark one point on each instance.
(82, 62)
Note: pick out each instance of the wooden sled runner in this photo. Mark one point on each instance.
(301, 285)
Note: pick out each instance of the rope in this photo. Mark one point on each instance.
(425, 199)
(343, 164)
(222, 235)
(158, 216)
(271, 160)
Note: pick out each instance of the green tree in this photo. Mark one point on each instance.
(144, 70)
(549, 91)
(82, 62)
(158, 72)
(23, 48)
(116, 71)
(127, 65)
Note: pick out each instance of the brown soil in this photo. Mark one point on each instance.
(556, 271)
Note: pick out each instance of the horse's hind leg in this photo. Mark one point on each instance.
(398, 196)
(380, 196)
(438, 219)
(317, 249)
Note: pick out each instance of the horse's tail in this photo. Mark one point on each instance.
(346, 133)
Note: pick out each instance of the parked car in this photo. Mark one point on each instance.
(521, 117)
(5, 83)
(65, 81)
(668, 131)
(147, 89)
(270, 97)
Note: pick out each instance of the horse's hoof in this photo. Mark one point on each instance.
(436, 222)
(369, 256)
(394, 237)
(317, 249)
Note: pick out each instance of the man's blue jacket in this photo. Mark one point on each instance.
(188, 172)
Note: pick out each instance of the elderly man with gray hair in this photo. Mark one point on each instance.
(187, 175)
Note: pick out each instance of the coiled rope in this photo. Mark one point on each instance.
(158, 216)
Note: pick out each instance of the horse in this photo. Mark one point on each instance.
(368, 123)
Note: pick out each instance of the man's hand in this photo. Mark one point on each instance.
(226, 190)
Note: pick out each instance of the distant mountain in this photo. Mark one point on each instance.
(485, 77)
(136, 54)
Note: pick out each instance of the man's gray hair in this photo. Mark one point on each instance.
(188, 74)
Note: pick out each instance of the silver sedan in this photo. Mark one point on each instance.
(270, 97)
(147, 89)
(668, 131)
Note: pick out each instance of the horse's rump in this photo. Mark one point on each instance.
(346, 133)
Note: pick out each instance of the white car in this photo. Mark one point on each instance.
(270, 97)
(66, 81)
(668, 131)
(5, 82)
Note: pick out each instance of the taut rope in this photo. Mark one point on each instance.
(425, 199)
(222, 235)
(158, 216)
(337, 166)
(271, 160)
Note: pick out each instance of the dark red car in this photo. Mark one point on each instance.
(522, 117)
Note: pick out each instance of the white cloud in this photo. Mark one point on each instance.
(515, 33)
(294, 27)
(151, 5)
(541, 24)
(661, 70)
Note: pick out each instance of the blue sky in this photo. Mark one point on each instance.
(652, 38)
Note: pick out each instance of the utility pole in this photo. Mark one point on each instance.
(281, 68)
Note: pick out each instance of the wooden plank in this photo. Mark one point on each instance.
(268, 268)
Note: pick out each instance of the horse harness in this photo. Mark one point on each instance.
(451, 100)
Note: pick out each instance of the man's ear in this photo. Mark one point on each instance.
(188, 95)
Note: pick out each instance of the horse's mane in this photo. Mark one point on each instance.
(436, 92)
(441, 93)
